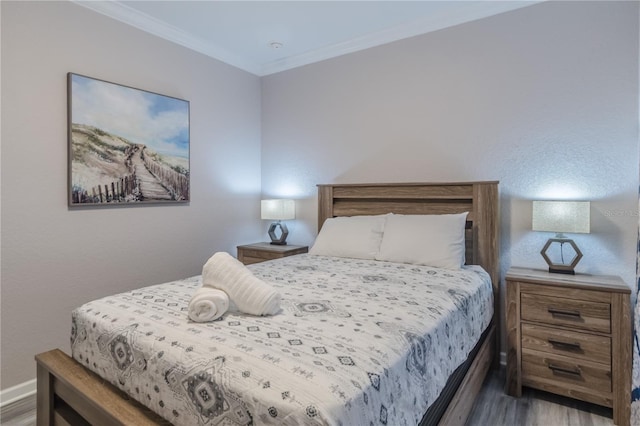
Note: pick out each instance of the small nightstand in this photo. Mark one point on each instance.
(570, 335)
(259, 252)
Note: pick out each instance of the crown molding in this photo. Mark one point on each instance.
(437, 21)
(149, 24)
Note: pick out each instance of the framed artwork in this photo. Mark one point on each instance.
(126, 146)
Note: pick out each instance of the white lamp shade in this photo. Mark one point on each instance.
(277, 209)
(572, 217)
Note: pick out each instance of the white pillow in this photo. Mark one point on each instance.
(431, 240)
(350, 236)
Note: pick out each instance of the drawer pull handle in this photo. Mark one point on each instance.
(561, 371)
(575, 315)
(565, 346)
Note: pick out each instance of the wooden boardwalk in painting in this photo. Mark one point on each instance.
(150, 186)
(112, 169)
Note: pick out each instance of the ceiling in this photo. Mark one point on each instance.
(265, 37)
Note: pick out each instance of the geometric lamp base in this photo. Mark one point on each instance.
(553, 253)
(284, 232)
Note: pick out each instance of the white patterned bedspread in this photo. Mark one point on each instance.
(357, 343)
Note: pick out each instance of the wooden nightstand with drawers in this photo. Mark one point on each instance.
(570, 335)
(259, 252)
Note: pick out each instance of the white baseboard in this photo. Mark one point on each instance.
(18, 392)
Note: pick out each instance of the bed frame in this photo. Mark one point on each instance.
(69, 394)
(480, 199)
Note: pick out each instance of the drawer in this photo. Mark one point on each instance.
(578, 314)
(260, 255)
(565, 372)
(251, 260)
(573, 344)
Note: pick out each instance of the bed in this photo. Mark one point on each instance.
(303, 342)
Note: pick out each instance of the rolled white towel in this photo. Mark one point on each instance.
(250, 294)
(208, 304)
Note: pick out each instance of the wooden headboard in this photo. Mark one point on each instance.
(480, 199)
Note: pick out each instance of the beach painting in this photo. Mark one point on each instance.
(126, 146)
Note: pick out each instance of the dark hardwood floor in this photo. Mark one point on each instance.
(535, 408)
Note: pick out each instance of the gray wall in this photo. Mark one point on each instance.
(543, 99)
(54, 259)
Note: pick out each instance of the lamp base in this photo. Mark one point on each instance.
(561, 271)
(561, 267)
(284, 232)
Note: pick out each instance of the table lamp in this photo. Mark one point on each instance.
(278, 210)
(560, 217)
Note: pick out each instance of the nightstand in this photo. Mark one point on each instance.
(570, 335)
(259, 252)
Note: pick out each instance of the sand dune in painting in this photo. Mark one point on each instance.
(107, 168)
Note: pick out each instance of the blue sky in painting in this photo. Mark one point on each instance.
(160, 122)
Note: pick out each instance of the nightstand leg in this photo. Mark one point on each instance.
(513, 384)
(621, 365)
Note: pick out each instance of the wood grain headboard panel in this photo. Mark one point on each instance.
(480, 199)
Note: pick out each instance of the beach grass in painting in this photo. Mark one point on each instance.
(126, 146)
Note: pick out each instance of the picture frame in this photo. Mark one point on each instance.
(126, 146)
